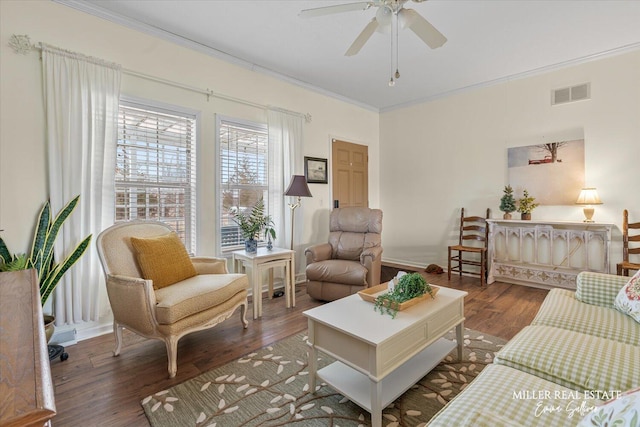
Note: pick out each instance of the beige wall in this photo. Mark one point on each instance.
(23, 185)
(451, 153)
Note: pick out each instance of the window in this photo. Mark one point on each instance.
(243, 177)
(155, 168)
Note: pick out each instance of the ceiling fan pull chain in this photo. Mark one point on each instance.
(394, 44)
(397, 20)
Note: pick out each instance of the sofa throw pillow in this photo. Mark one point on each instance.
(628, 299)
(622, 411)
(163, 259)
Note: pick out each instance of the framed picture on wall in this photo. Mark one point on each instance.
(315, 170)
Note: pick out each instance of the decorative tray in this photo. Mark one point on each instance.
(370, 295)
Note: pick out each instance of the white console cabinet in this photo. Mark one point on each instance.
(546, 254)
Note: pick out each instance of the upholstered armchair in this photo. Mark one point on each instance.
(352, 258)
(158, 291)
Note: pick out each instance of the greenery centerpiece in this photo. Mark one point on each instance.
(252, 224)
(409, 286)
(526, 205)
(507, 202)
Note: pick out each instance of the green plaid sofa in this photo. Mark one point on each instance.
(577, 346)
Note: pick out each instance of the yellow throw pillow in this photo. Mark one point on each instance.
(163, 259)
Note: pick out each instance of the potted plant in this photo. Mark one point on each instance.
(41, 257)
(252, 224)
(526, 204)
(507, 202)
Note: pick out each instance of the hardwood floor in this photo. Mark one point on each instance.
(93, 388)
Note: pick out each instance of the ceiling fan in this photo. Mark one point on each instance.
(390, 16)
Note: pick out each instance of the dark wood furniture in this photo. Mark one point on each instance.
(26, 389)
(473, 238)
(622, 268)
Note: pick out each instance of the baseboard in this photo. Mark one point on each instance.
(398, 263)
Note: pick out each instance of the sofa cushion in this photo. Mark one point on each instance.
(622, 411)
(598, 288)
(521, 398)
(561, 309)
(196, 294)
(163, 259)
(571, 359)
(336, 270)
(628, 299)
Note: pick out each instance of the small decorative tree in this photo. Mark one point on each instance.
(507, 202)
(526, 205)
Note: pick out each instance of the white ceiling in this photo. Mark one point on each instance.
(488, 41)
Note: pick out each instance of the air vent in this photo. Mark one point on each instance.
(571, 94)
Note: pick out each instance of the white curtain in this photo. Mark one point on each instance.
(285, 160)
(81, 96)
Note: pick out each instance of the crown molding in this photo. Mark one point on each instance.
(97, 11)
(202, 48)
(531, 73)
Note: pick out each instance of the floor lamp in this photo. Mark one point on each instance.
(297, 188)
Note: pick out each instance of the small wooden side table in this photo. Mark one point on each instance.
(262, 260)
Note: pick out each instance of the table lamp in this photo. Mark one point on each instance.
(588, 197)
(297, 188)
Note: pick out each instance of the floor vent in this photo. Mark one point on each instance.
(571, 94)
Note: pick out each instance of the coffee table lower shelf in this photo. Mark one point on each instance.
(357, 386)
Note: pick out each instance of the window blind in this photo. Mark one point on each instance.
(155, 168)
(244, 174)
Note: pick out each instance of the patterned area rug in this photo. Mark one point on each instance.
(269, 388)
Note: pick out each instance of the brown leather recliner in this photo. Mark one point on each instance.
(352, 259)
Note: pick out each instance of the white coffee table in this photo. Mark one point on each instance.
(265, 259)
(379, 358)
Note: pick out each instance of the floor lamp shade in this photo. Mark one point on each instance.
(297, 188)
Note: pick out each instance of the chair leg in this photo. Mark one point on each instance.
(460, 263)
(619, 270)
(171, 343)
(117, 332)
(243, 314)
(449, 265)
(483, 269)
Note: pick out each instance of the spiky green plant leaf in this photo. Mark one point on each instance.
(40, 236)
(5, 255)
(54, 275)
(42, 250)
(50, 238)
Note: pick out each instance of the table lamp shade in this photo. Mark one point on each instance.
(298, 187)
(588, 196)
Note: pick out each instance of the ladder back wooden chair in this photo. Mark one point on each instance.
(473, 239)
(630, 246)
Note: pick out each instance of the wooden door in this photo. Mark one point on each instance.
(350, 164)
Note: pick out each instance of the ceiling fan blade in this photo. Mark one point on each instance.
(422, 28)
(327, 10)
(362, 38)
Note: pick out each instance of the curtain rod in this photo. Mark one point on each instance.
(22, 44)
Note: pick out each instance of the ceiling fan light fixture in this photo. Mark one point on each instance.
(383, 16)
